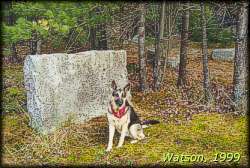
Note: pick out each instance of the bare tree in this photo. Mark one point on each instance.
(184, 46)
(171, 17)
(141, 43)
(205, 54)
(158, 51)
(35, 44)
(39, 46)
(10, 20)
(239, 78)
(92, 38)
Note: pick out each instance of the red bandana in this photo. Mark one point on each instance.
(120, 112)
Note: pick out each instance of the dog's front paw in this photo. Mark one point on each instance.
(118, 146)
(133, 141)
(108, 149)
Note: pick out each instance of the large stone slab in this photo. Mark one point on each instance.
(223, 54)
(71, 86)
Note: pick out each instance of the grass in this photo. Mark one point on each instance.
(205, 132)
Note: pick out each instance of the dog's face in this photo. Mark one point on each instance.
(118, 94)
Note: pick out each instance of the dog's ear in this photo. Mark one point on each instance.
(113, 85)
(127, 88)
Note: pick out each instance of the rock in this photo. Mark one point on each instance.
(173, 62)
(135, 39)
(223, 54)
(75, 87)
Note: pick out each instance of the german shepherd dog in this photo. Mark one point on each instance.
(122, 117)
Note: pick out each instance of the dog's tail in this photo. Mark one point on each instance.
(147, 123)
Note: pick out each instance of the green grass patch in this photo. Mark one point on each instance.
(61, 147)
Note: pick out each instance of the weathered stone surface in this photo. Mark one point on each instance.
(71, 86)
(223, 54)
(135, 39)
(173, 62)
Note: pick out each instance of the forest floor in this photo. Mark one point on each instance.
(186, 125)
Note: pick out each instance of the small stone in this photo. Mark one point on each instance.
(223, 54)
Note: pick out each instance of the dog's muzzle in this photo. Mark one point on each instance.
(118, 101)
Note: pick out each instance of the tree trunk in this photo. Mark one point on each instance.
(92, 38)
(182, 78)
(158, 50)
(239, 78)
(14, 57)
(9, 17)
(33, 44)
(10, 20)
(38, 46)
(205, 54)
(170, 27)
(141, 43)
(104, 37)
(103, 45)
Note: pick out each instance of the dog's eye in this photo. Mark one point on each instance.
(114, 94)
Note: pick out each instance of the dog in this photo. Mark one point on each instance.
(123, 118)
